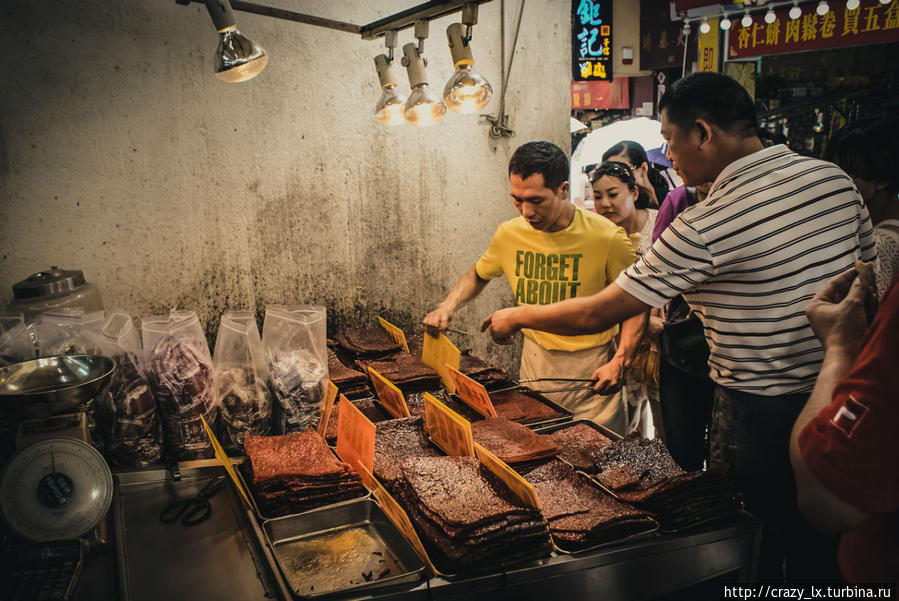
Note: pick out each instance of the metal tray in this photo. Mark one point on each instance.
(565, 416)
(306, 546)
(610, 434)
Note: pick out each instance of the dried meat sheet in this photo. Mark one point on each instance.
(396, 440)
(522, 407)
(404, 370)
(367, 342)
(578, 443)
(512, 442)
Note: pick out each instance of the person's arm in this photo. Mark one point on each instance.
(573, 317)
(837, 316)
(468, 287)
(608, 377)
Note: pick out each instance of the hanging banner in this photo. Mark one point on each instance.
(591, 40)
(708, 47)
(662, 41)
(870, 23)
(598, 95)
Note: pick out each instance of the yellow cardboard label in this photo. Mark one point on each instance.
(222, 456)
(390, 396)
(327, 407)
(396, 514)
(438, 353)
(355, 438)
(518, 485)
(397, 334)
(473, 393)
(449, 430)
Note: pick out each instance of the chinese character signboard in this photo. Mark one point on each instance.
(599, 95)
(591, 40)
(870, 23)
(662, 41)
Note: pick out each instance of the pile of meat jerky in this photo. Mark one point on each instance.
(396, 440)
(298, 380)
(246, 403)
(523, 406)
(519, 447)
(369, 409)
(466, 517)
(642, 472)
(472, 366)
(351, 383)
(405, 371)
(580, 515)
(578, 443)
(367, 342)
(415, 401)
(297, 472)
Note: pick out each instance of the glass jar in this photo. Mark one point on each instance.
(54, 289)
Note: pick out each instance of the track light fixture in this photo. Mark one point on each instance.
(747, 19)
(795, 12)
(466, 91)
(423, 107)
(823, 8)
(704, 27)
(770, 17)
(852, 4)
(237, 58)
(389, 109)
(725, 23)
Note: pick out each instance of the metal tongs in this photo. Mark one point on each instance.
(521, 384)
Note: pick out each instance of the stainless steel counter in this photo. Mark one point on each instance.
(223, 559)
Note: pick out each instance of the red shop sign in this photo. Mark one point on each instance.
(597, 95)
(870, 23)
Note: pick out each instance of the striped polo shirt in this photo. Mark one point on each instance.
(774, 229)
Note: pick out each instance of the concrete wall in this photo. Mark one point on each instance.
(122, 155)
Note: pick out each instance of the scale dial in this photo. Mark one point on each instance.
(56, 489)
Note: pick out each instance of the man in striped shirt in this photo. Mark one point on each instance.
(774, 228)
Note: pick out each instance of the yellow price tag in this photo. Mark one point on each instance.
(396, 514)
(355, 438)
(222, 456)
(473, 393)
(518, 485)
(397, 334)
(327, 407)
(449, 430)
(390, 396)
(438, 353)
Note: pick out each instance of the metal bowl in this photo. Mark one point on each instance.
(52, 385)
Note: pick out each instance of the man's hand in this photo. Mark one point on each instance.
(437, 321)
(837, 313)
(609, 376)
(502, 325)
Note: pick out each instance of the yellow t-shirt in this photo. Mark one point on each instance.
(544, 268)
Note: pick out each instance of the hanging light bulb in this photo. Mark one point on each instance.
(237, 57)
(795, 12)
(885, 1)
(852, 4)
(466, 91)
(770, 17)
(746, 21)
(823, 8)
(389, 109)
(423, 107)
(704, 27)
(725, 23)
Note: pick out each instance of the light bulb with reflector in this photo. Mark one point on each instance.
(389, 110)
(823, 8)
(423, 107)
(704, 27)
(795, 12)
(852, 4)
(747, 20)
(725, 23)
(466, 91)
(885, 1)
(237, 57)
(770, 17)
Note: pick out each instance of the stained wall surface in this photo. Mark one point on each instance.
(123, 156)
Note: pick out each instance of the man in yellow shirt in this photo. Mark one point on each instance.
(555, 251)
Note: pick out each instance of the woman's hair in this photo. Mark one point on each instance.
(634, 152)
(867, 150)
(625, 175)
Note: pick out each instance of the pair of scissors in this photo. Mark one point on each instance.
(195, 510)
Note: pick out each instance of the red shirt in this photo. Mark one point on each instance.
(852, 448)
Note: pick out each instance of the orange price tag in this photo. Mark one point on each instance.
(449, 430)
(518, 485)
(473, 393)
(390, 396)
(397, 334)
(327, 407)
(355, 438)
(398, 516)
(222, 456)
(438, 353)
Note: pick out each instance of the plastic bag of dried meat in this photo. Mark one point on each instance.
(241, 379)
(126, 409)
(17, 340)
(59, 332)
(295, 342)
(181, 368)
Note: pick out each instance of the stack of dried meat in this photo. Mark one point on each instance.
(642, 472)
(351, 383)
(405, 371)
(416, 403)
(367, 342)
(513, 443)
(296, 472)
(523, 406)
(579, 515)
(578, 442)
(480, 371)
(466, 517)
(396, 440)
(369, 409)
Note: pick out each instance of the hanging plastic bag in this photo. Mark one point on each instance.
(126, 410)
(295, 341)
(181, 367)
(241, 379)
(17, 340)
(59, 331)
